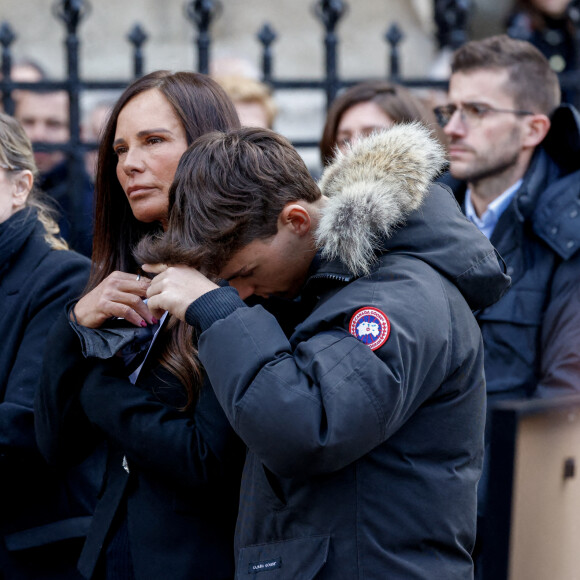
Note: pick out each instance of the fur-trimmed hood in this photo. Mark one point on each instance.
(371, 190)
(381, 198)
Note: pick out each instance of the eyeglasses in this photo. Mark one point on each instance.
(470, 112)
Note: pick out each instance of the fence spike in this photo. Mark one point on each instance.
(202, 13)
(7, 35)
(267, 35)
(393, 36)
(71, 12)
(330, 12)
(137, 37)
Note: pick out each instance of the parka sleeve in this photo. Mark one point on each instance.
(560, 338)
(319, 406)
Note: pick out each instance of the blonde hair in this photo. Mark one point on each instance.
(16, 155)
(242, 89)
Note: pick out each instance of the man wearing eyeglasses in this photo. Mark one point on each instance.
(517, 150)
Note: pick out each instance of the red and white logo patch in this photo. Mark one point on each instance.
(370, 326)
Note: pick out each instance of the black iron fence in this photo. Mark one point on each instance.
(451, 20)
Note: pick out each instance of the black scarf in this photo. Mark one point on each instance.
(14, 232)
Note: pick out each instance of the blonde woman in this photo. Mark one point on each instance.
(45, 514)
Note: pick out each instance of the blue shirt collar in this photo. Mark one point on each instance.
(487, 222)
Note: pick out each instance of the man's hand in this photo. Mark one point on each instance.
(174, 288)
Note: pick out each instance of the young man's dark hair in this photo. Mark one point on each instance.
(365, 425)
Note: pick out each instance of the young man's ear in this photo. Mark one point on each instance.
(296, 217)
(537, 128)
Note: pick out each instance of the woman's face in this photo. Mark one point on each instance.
(553, 8)
(14, 189)
(360, 120)
(149, 141)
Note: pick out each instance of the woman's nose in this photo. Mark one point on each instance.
(132, 161)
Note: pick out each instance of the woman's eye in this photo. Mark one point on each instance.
(120, 150)
(154, 140)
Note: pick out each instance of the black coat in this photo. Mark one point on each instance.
(179, 499)
(44, 513)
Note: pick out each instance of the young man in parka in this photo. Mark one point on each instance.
(364, 425)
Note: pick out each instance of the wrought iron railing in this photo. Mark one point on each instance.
(451, 20)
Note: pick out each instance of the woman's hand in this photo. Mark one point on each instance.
(118, 295)
(175, 288)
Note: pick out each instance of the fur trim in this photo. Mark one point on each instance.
(372, 188)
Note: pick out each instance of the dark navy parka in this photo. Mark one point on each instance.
(363, 463)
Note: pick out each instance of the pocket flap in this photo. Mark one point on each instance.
(289, 559)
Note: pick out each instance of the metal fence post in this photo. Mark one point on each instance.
(330, 12)
(201, 13)
(71, 12)
(7, 37)
(266, 36)
(137, 38)
(394, 36)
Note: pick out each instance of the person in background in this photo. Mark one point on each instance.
(45, 118)
(366, 420)
(548, 25)
(94, 122)
(25, 70)
(367, 107)
(116, 374)
(253, 100)
(515, 150)
(44, 514)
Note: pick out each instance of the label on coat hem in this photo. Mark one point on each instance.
(265, 565)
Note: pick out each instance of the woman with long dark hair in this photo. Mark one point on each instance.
(169, 502)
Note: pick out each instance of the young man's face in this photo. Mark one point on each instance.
(485, 146)
(275, 266)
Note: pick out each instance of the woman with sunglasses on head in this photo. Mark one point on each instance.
(43, 514)
(169, 503)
